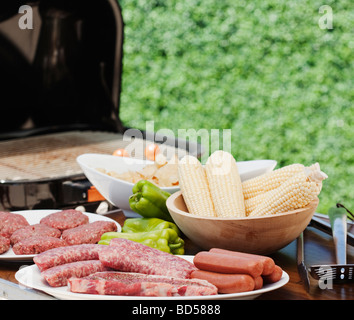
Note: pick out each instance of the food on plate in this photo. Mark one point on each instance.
(166, 240)
(130, 256)
(34, 230)
(226, 283)
(153, 232)
(227, 263)
(137, 284)
(148, 224)
(64, 255)
(151, 151)
(274, 276)
(149, 201)
(296, 192)
(195, 187)
(121, 153)
(59, 275)
(225, 185)
(37, 244)
(233, 272)
(4, 244)
(10, 222)
(88, 233)
(163, 173)
(267, 262)
(215, 191)
(65, 219)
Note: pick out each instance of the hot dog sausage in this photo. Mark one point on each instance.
(258, 283)
(274, 276)
(268, 263)
(226, 263)
(226, 283)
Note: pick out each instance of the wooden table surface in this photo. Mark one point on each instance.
(318, 250)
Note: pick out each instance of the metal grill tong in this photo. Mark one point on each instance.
(340, 271)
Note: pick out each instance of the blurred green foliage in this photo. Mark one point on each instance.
(263, 68)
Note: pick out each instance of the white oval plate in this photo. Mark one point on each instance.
(33, 217)
(30, 276)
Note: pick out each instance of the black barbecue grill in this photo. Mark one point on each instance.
(60, 87)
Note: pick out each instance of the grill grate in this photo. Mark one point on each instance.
(54, 155)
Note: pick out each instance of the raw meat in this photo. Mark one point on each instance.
(65, 219)
(130, 256)
(38, 244)
(59, 256)
(137, 284)
(4, 244)
(34, 230)
(88, 233)
(10, 222)
(58, 276)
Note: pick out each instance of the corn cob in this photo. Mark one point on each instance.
(225, 185)
(297, 192)
(269, 181)
(194, 186)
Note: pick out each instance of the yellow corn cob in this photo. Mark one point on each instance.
(225, 185)
(269, 181)
(194, 186)
(297, 192)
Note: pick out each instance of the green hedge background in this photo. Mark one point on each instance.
(262, 68)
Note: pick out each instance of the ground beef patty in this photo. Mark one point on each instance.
(34, 230)
(4, 244)
(10, 222)
(65, 219)
(38, 244)
(88, 233)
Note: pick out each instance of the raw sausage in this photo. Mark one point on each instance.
(227, 263)
(226, 283)
(268, 263)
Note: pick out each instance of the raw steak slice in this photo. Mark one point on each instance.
(59, 256)
(4, 244)
(130, 256)
(10, 222)
(35, 245)
(65, 219)
(88, 233)
(137, 284)
(58, 276)
(34, 230)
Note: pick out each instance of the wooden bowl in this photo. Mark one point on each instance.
(259, 235)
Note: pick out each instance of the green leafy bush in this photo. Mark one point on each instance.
(263, 68)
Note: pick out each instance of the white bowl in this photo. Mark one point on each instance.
(118, 191)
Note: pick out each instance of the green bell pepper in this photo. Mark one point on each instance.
(165, 240)
(149, 201)
(147, 224)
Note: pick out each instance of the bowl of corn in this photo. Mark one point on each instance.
(215, 208)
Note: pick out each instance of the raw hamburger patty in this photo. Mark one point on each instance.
(88, 233)
(58, 276)
(138, 284)
(38, 244)
(65, 219)
(4, 244)
(10, 222)
(34, 230)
